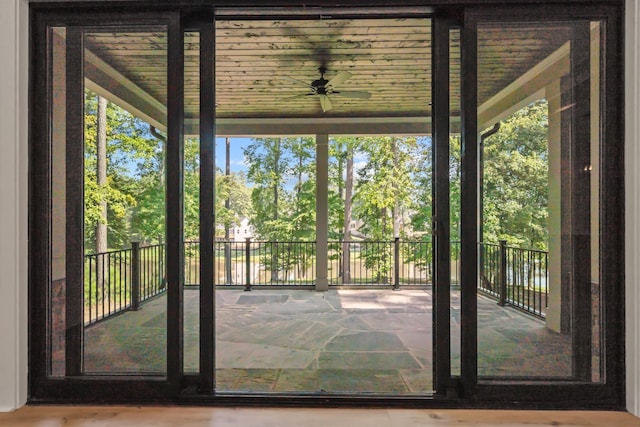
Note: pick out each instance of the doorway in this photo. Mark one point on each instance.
(414, 204)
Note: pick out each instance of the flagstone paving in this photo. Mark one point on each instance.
(365, 341)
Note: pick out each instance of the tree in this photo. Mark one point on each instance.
(346, 237)
(233, 198)
(118, 134)
(385, 185)
(124, 171)
(267, 171)
(283, 198)
(227, 206)
(418, 251)
(101, 173)
(341, 210)
(516, 178)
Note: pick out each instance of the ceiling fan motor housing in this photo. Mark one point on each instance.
(320, 84)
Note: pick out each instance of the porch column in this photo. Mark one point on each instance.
(322, 212)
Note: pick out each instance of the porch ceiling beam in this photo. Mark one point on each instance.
(525, 89)
(109, 83)
(248, 127)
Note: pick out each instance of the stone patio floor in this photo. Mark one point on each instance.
(364, 341)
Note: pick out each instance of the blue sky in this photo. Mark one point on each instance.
(236, 154)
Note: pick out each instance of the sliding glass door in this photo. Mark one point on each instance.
(534, 277)
(230, 205)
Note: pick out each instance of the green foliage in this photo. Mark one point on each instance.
(282, 171)
(135, 189)
(124, 136)
(386, 189)
(233, 187)
(392, 185)
(516, 180)
(385, 183)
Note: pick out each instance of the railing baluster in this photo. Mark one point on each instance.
(503, 272)
(109, 284)
(396, 260)
(135, 275)
(90, 259)
(97, 296)
(118, 276)
(247, 265)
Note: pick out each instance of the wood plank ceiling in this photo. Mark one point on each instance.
(390, 58)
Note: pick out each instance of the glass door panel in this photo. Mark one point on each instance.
(538, 284)
(192, 167)
(124, 202)
(108, 202)
(454, 194)
(286, 93)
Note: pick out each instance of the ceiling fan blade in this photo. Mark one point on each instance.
(353, 94)
(325, 103)
(300, 82)
(300, 95)
(339, 78)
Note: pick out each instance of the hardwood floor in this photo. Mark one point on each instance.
(102, 416)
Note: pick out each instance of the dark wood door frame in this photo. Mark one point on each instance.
(442, 381)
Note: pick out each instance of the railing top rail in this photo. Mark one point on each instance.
(491, 244)
(255, 241)
(379, 241)
(402, 241)
(314, 241)
(280, 241)
(156, 245)
(113, 251)
(513, 248)
(516, 249)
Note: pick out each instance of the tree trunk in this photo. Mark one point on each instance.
(276, 168)
(382, 275)
(395, 214)
(274, 247)
(101, 175)
(227, 205)
(348, 194)
(341, 159)
(101, 150)
(299, 190)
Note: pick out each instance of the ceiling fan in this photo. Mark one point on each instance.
(322, 88)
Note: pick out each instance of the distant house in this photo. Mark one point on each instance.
(240, 232)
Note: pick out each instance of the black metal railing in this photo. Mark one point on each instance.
(123, 279)
(380, 263)
(255, 263)
(370, 262)
(515, 276)
(107, 288)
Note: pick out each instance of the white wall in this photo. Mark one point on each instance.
(632, 223)
(13, 209)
